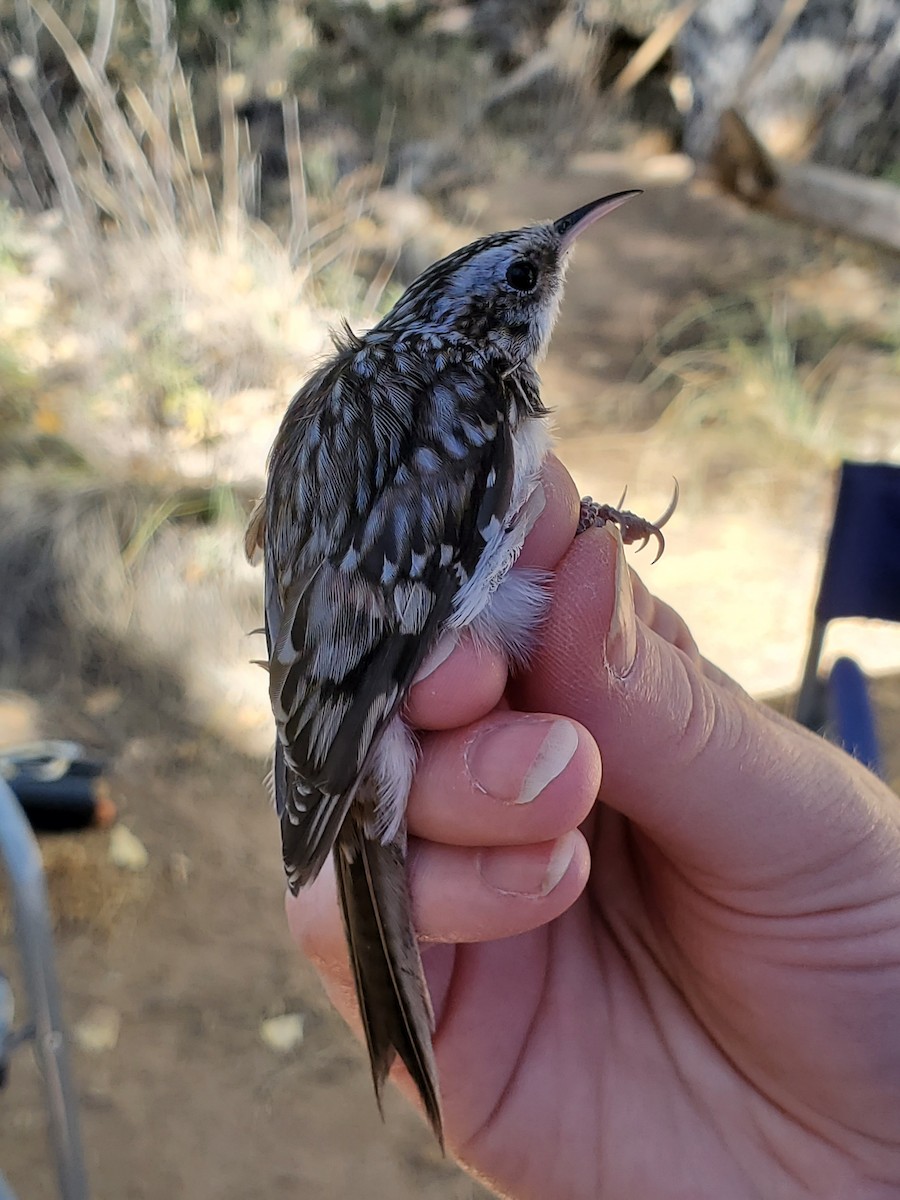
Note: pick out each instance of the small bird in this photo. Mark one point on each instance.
(400, 488)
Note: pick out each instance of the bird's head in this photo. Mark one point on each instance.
(502, 291)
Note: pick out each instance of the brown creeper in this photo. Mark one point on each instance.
(401, 486)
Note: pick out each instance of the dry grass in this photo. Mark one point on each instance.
(769, 388)
(172, 295)
(86, 891)
(153, 328)
(140, 318)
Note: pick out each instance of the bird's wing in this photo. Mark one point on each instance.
(355, 599)
(254, 538)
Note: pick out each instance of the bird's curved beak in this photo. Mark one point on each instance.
(572, 224)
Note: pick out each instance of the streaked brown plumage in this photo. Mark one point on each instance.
(401, 485)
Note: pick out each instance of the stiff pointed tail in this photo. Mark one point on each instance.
(387, 967)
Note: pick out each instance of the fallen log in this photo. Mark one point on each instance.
(842, 201)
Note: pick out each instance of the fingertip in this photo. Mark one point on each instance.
(479, 895)
(565, 672)
(511, 779)
(568, 870)
(314, 920)
(554, 529)
(460, 689)
(461, 681)
(579, 870)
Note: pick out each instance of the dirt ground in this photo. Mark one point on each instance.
(185, 959)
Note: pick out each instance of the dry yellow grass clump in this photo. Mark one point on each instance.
(151, 332)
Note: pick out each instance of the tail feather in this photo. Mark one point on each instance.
(387, 967)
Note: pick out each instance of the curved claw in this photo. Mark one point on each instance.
(631, 527)
(673, 504)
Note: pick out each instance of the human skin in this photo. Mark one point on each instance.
(689, 988)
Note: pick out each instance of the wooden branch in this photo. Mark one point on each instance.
(771, 44)
(825, 196)
(654, 47)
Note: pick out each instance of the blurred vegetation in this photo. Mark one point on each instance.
(212, 177)
(390, 64)
(763, 385)
(190, 195)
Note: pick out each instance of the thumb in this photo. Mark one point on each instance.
(723, 785)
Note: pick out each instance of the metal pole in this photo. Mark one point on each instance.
(23, 864)
(809, 708)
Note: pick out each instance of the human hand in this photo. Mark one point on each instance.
(697, 992)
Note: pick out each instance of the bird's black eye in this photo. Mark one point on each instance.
(522, 275)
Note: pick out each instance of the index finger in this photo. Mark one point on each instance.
(555, 528)
(724, 787)
(465, 682)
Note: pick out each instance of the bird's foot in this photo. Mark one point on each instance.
(632, 527)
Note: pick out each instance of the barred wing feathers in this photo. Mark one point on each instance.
(378, 510)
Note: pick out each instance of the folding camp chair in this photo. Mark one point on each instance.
(22, 859)
(860, 578)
